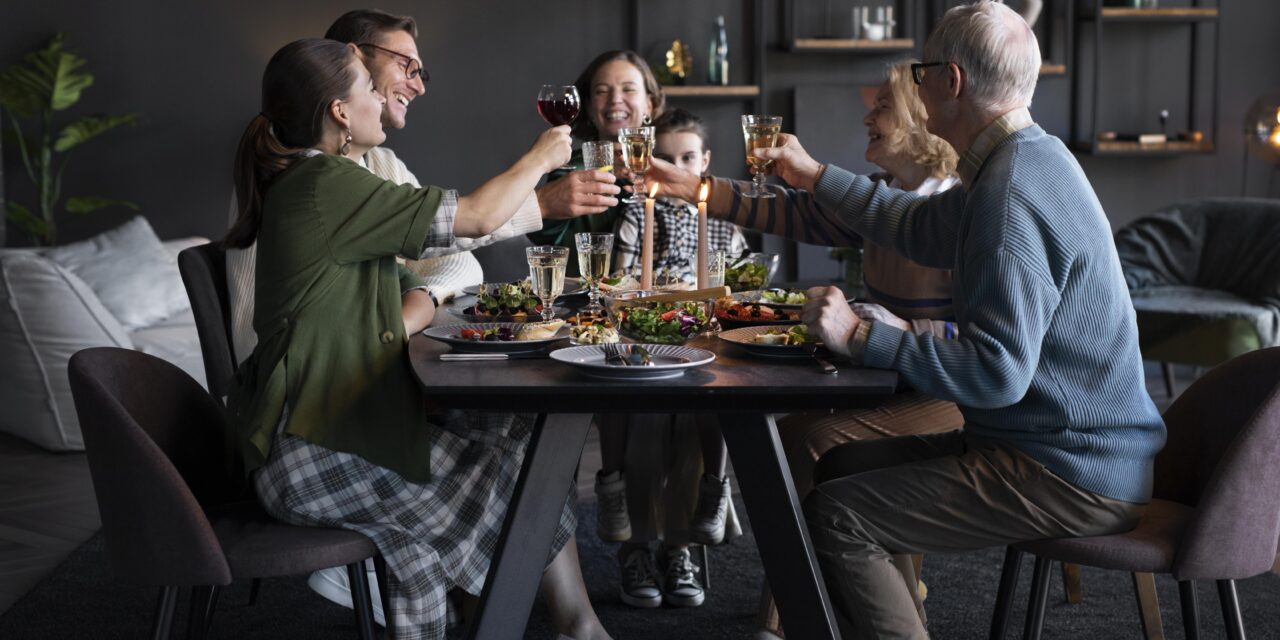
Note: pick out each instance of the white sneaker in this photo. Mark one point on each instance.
(612, 522)
(640, 580)
(681, 588)
(333, 585)
(712, 511)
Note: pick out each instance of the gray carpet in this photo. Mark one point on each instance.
(80, 599)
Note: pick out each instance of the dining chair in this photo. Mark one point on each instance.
(1215, 508)
(171, 515)
(204, 273)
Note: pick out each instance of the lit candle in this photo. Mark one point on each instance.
(703, 279)
(646, 247)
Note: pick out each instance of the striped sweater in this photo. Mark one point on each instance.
(1047, 360)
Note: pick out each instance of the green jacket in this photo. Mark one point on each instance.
(331, 339)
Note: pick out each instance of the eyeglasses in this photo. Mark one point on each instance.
(917, 69)
(412, 68)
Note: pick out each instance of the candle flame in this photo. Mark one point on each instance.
(653, 191)
(703, 191)
(1277, 115)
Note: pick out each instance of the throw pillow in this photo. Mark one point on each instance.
(46, 315)
(136, 278)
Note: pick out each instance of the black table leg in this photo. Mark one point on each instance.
(778, 523)
(530, 526)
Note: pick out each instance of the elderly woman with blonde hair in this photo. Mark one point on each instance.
(898, 290)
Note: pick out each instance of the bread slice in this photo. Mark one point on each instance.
(539, 330)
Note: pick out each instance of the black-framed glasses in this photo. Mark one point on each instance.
(917, 69)
(412, 68)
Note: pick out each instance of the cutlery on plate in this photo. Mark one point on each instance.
(613, 354)
(811, 348)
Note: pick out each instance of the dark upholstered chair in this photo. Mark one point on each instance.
(504, 261)
(204, 272)
(170, 515)
(1215, 511)
(1205, 280)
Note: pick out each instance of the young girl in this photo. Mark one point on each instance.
(669, 500)
(330, 420)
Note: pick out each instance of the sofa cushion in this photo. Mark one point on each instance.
(175, 340)
(46, 315)
(134, 275)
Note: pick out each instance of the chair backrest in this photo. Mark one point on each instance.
(1223, 457)
(154, 439)
(504, 261)
(204, 273)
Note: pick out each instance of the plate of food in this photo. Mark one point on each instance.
(660, 322)
(751, 272)
(591, 331)
(499, 337)
(620, 282)
(634, 361)
(775, 342)
(572, 287)
(737, 312)
(505, 302)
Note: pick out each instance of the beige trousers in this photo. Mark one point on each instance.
(936, 493)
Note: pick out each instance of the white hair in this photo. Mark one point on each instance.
(994, 47)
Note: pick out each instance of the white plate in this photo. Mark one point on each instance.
(744, 338)
(461, 312)
(669, 361)
(572, 287)
(449, 335)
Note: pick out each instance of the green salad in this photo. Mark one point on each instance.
(665, 323)
(748, 275)
(782, 296)
(506, 299)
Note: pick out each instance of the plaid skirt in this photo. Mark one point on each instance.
(434, 537)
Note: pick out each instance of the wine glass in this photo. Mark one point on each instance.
(759, 132)
(637, 146)
(546, 273)
(594, 251)
(558, 104)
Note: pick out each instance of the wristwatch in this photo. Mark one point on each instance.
(435, 303)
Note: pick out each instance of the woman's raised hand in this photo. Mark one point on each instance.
(791, 162)
(553, 148)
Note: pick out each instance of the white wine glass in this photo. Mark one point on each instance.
(759, 132)
(594, 253)
(637, 146)
(546, 274)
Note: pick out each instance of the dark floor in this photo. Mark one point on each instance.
(47, 508)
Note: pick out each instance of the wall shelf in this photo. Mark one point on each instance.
(1053, 69)
(1129, 148)
(711, 92)
(837, 45)
(1172, 14)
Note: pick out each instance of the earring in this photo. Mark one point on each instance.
(646, 120)
(346, 145)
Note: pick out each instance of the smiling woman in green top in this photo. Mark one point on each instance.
(330, 420)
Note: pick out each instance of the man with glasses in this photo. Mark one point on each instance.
(1059, 435)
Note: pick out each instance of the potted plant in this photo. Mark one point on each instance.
(42, 82)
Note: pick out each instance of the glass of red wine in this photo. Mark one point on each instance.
(558, 105)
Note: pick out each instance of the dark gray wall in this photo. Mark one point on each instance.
(193, 72)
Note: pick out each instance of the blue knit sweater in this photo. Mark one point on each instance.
(1047, 359)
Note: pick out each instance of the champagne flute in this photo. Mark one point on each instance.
(759, 132)
(637, 146)
(546, 273)
(558, 105)
(594, 252)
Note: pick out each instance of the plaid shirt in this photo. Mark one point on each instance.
(675, 239)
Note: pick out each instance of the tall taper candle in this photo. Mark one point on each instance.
(703, 280)
(646, 246)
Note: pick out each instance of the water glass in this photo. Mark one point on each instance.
(597, 156)
(594, 252)
(715, 268)
(546, 273)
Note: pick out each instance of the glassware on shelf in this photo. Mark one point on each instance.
(718, 56)
(546, 274)
(759, 132)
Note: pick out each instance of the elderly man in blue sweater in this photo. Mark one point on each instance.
(1059, 433)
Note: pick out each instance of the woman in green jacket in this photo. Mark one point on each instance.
(331, 422)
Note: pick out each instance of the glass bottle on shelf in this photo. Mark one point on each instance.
(718, 56)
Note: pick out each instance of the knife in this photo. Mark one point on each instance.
(811, 348)
(469, 357)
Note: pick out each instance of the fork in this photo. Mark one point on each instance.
(613, 353)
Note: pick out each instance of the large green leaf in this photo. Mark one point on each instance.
(23, 217)
(44, 79)
(85, 129)
(87, 204)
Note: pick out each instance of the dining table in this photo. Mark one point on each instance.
(743, 390)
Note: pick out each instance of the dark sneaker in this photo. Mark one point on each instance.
(681, 588)
(640, 580)
(612, 522)
(709, 517)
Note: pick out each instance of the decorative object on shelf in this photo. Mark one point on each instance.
(43, 82)
(679, 62)
(1262, 129)
(718, 56)
(1134, 4)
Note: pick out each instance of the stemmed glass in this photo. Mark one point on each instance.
(546, 273)
(637, 146)
(759, 132)
(559, 104)
(594, 251)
